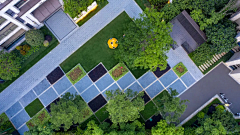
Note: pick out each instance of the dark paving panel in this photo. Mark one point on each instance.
(215, 82)
(104, 82)
(83, 84)
(43, 85)
(49, 106)
(155, 119)
(145, 97)
(159, 73)
(97, 73)
(147, 79)
(56, 74)
(13, 109)
(28, 98)
(97, 103)
(62, 85)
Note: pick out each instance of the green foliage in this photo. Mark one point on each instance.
(68, 111)
(158, 3)
(34, 107)
(220, 108)
(146, 42)
(39, 119)
(163, 128)
(45, 43)
(34, 37)
(3, 118)
(170, 106)
(9, 65)
(222, 36)
(45, 129)
(149, 110)
(180, 69)
(210, 127)
(102, 114)
(201, 115)
(121, 109)
(189, 131)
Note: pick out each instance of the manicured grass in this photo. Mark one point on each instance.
(225, 58)
(34, 107)
(205, 110)
(102, 114)
(79, 77)
(143, 4)
(39, 119)
(96, 49)
(180, 65)
(35, 57)
(84, 124)
(124, 71)
(149, 110)
(101, 5)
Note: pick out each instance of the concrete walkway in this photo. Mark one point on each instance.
(70, 44)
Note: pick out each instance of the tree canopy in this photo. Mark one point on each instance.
(34, 37)
(146, 41)
(163, 128)
(120, 106)
(170, 106)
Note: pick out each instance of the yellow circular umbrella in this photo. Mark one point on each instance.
(112, 43)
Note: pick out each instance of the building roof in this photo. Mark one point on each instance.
(186, 32)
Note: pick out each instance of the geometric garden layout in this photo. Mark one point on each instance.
(92, 88)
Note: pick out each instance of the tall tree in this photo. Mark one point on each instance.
(45, 129)
(146, 41)
(121, 109)
(163, 128)
(170, 106)
(9, 65)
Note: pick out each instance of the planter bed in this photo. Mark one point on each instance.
(55, 75)
(34, 107)
(155, 119)
(118, 71)
(39, 119)
(49, 106)
(149, 110)
(76, 74)
(159, 73)
(97, 72)
(180, 69)
(97, 103)
(102, 114)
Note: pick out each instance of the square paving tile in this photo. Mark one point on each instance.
(13, 109)
(154, 89)
(43, 85)
(23, 129)
(20, 119)
(97, 72)
(113, 87)
(83, 84)
(188, 79)
(55, 75)
(126, 80)
(104, 82)
(62, 85)
(28, 98)
(72, 90)
(48, 96)
(135, 87)
(90, 93)
(97, 103)
(159, 73)
(178, 85)
(168, 78)
(147, 79)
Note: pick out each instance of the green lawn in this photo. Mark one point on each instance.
(149, 110)
(34, 107)
(34, 58)
(176, 70)
(96, 49)
(101, 5)
(102, 114)
(143, 4)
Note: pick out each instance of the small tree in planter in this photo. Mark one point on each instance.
(34, 37)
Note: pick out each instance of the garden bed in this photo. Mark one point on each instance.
(55, 75)
(97, 72)
(5, 124)
(39, 119)
(76, 74)
(118, 71)
(159, 72)
(102, 114)
(34, 107)
(149, 110)
(180, 69)
(97, 103)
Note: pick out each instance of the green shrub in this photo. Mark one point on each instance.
(34, 37)
(220, 108)
(201, 115)
(46, 43)
(3, 118)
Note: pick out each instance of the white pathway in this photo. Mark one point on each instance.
(74, 40)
